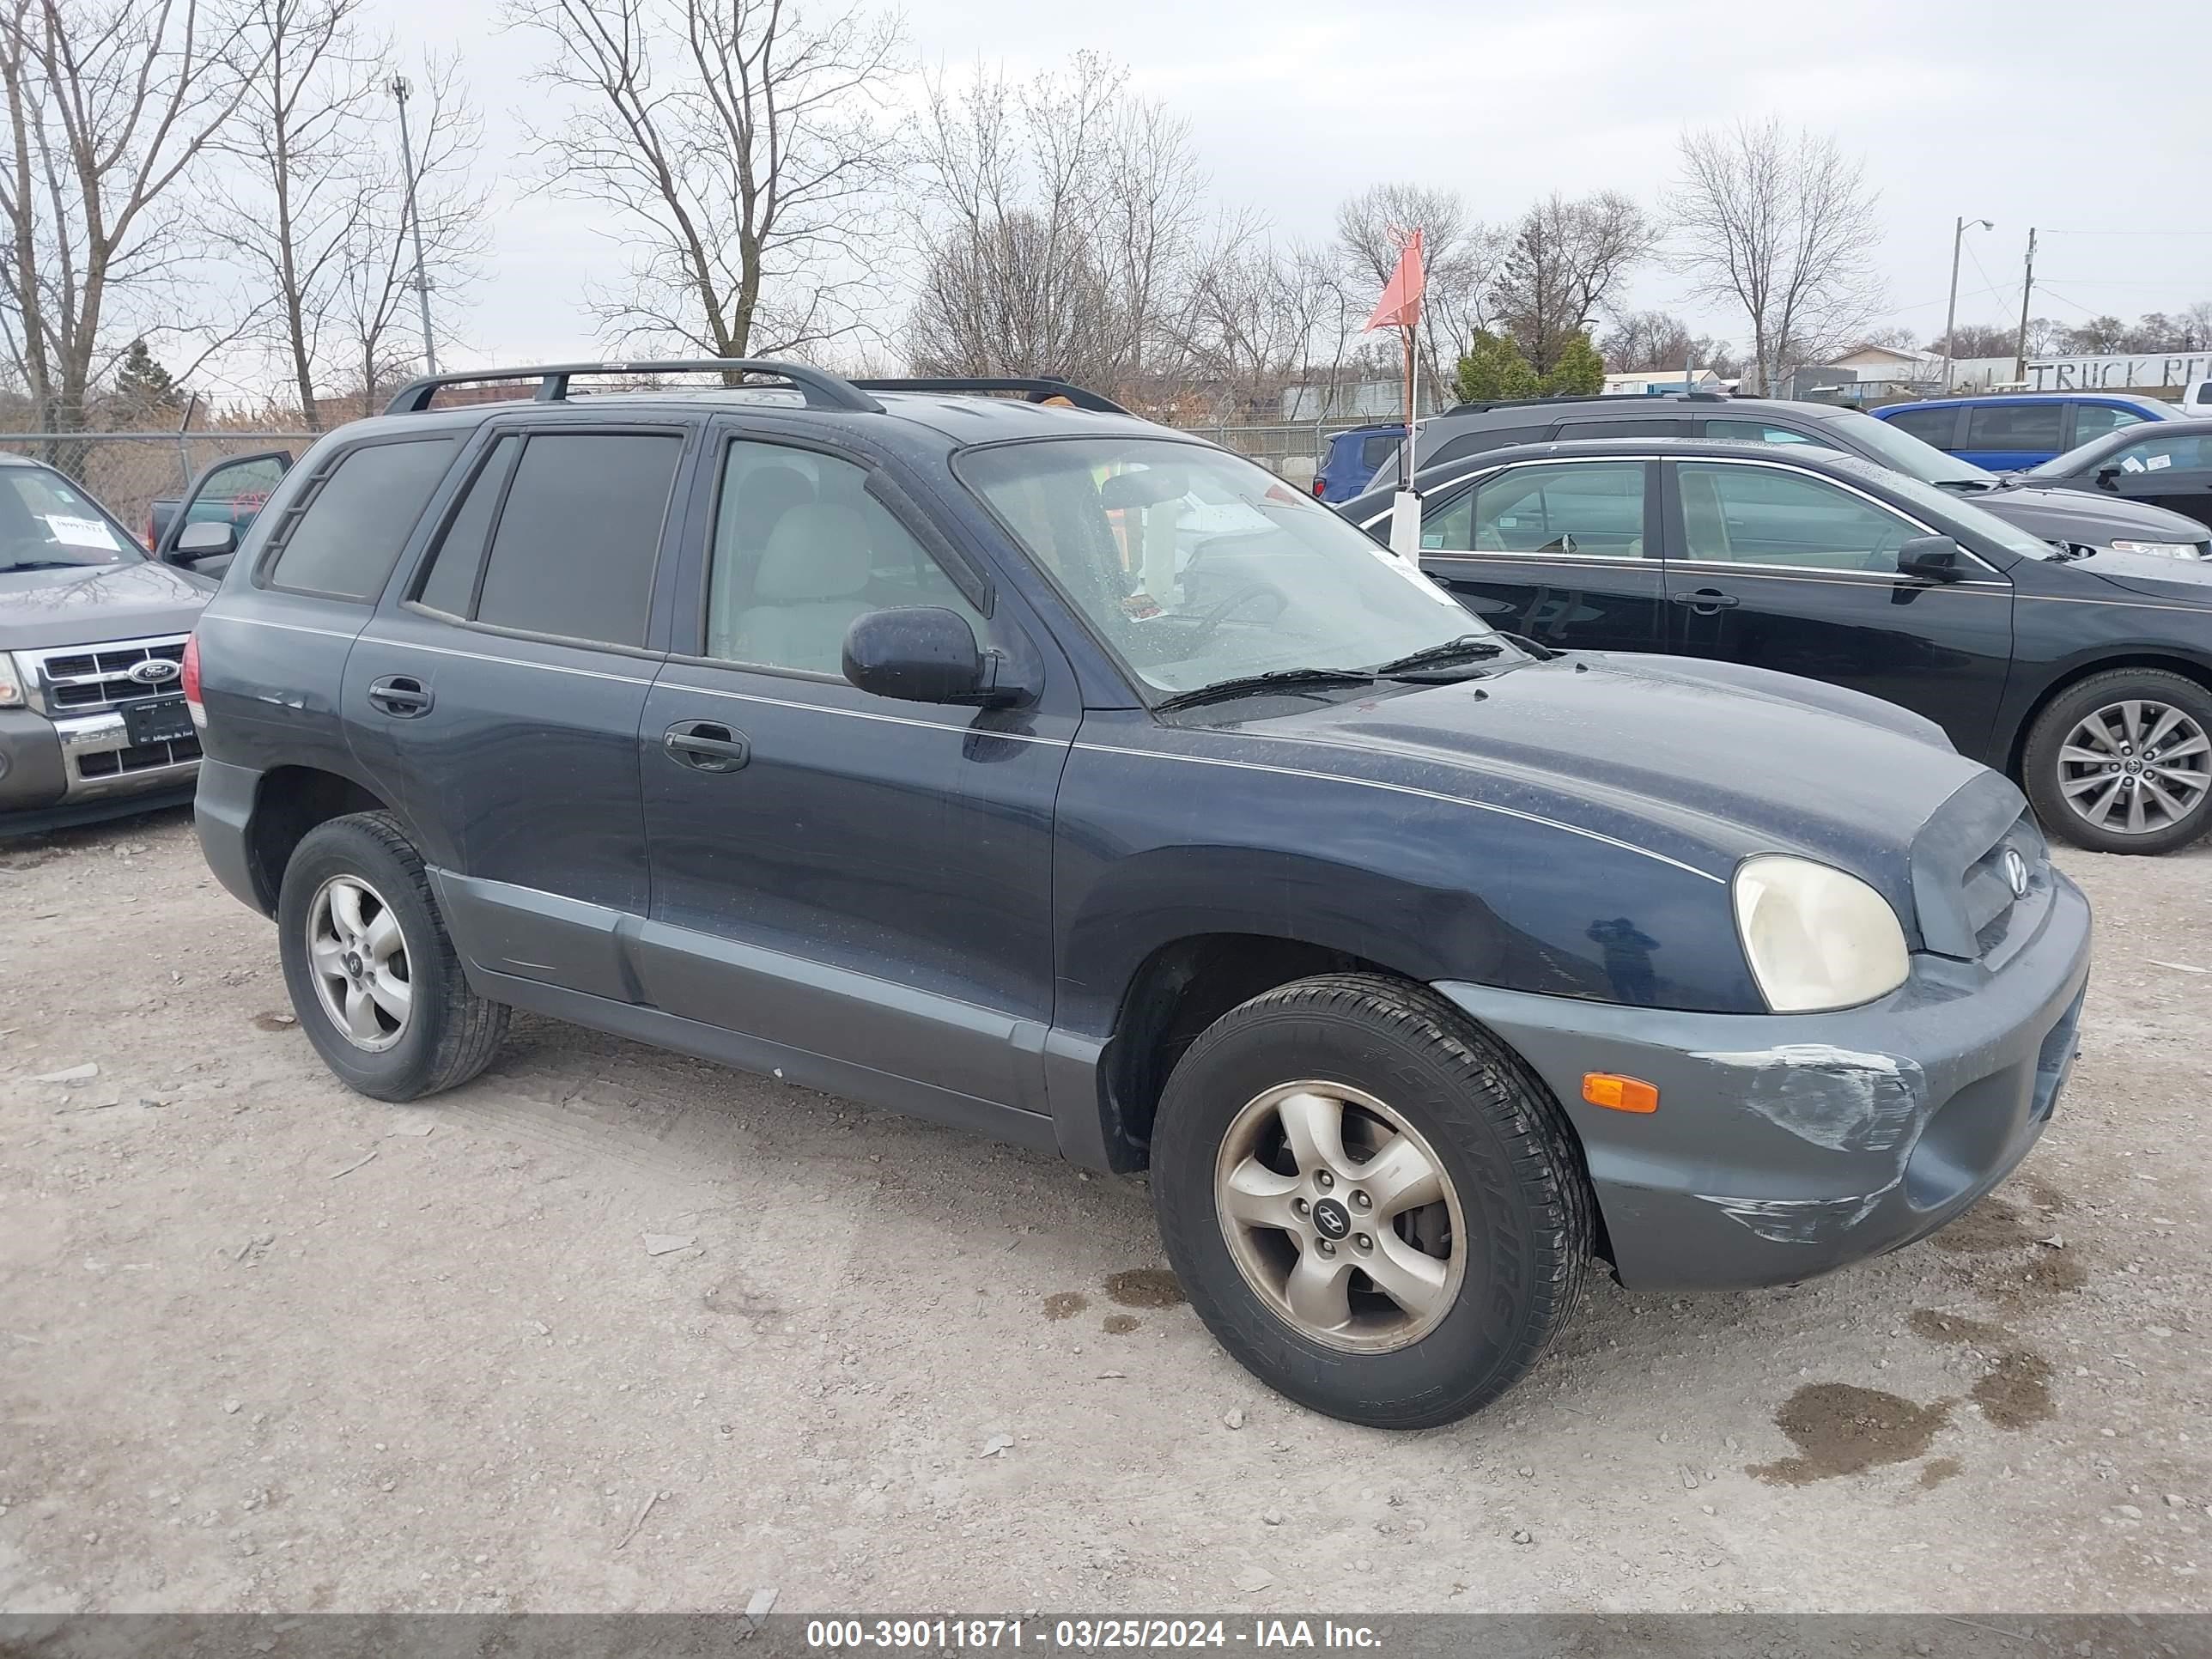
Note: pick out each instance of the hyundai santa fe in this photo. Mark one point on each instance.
(976, 750)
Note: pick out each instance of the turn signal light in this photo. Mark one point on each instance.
(1620, 1094)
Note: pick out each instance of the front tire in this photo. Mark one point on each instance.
(372, 976)
(1376, 1208)
(2122, 762)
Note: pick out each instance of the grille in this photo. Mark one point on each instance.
(138, 757)
(1986, 891)
(85, 680)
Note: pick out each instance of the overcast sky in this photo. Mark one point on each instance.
(2072, 118)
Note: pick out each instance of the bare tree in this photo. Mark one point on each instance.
(451, 208)
(1462, 255)
(1059, 228)
(1782, 226)
(743, 151)
(111, 106)
(1642, 340)
(1263, 318)
(1565, 264)
(1972, 340)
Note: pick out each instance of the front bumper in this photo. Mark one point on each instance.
(1789, 1144)
(82, 767)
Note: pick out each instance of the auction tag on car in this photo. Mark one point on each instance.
(82, 532)
(2156, 462)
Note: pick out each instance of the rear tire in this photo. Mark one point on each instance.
(372, 976)
(2111, 760)
(1455, 1179)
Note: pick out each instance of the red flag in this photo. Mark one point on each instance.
(1400, 305)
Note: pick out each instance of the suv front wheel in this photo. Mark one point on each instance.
(1375, 1207)
(372, 976)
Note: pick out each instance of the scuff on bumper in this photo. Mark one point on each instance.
(1787, 1145)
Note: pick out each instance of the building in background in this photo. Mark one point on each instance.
(1641, 382)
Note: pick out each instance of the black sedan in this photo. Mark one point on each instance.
(2087, 675)
(2168, 464)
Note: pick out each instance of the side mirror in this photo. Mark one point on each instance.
(208, 540)
(2108, 478)
(1931, 559)
(922, 654)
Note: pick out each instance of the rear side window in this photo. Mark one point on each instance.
(1756, 432)
(1939, 427)
(574, 549)
(342, 539)
(1378, 449)
(2096, 420)
(2016, 426)
(452, 586)
(1643, 426)
(1478, 443)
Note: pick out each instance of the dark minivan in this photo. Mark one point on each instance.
(1054, 775)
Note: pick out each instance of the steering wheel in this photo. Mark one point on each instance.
(1208, 621)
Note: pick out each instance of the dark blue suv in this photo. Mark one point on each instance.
(2005, 431)
(1067, 779)
(1353, 458)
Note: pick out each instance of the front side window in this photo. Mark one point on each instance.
(578, 535)
(2099, 420)
(1592, 508)
(802, 551)
(2150, 455)
(47, 523)
(1746, 515)
(341, 538)
(1195, 566)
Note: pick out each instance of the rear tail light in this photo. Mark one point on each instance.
(1321, 484)
(192, 681)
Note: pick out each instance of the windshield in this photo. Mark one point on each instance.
(1196, 567)
(1943, 504)
(1901, 452)
(45, 522)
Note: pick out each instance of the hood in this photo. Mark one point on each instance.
(2076, 515)
(2188, 580)
(85, 605)
(1704, 763)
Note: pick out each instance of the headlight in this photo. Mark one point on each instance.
(1816, 937)
(2164, 550)
(11, 684)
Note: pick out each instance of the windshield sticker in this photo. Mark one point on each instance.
(2156, 462)
(2131, 464)
(82, 532)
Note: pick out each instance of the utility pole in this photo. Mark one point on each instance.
(1951, 316)
(2026, 288)
(399, 90)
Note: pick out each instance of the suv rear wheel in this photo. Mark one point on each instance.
(2122, 762)
(1373, 1205)
(372, 975)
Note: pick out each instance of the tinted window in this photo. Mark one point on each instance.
(2015, 426)
(1594, 508)
(344, 538)
(1936, 425)
(2096, 420)
(573, 552)
(801, 549)
(453, 581)
(1644, 427)
(1757, 432)
(1475, 443)
(1377, 450)
(1762, 515)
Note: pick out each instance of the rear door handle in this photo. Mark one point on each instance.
(707, 746)
(1706, 600)
(401, 696)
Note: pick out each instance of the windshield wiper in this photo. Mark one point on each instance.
(1467, 647)
(40, 564)
(1275, 679)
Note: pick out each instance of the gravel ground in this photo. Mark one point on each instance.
(610, 1329)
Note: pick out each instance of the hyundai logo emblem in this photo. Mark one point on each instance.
(2016, 869)
(154, 670)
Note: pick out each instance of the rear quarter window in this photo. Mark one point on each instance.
(342, 537)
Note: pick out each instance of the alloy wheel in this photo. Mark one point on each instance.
(357, 955)
(2134, 767)
(1341, 1217)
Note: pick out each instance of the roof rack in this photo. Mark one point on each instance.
(1609, 397)
(820, 390)
(1039, 389)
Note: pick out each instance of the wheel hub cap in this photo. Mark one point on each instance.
(357, 959)
(2135, 768)
(1340, 1216)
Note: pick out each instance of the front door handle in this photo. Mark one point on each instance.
(400, 695)
(1706, 601)
(707, 746)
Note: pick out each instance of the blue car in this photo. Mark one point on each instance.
(2007, 431)
(1353, 458)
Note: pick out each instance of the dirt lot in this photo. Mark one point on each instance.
(610, 1329)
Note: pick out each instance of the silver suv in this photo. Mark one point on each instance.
(93, 721)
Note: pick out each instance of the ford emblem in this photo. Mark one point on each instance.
(2016, 869)
(154, 670)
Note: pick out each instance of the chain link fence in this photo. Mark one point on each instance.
(128, 471)
(1292, 452)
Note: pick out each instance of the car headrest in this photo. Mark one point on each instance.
(766, 496)
(818, 550)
